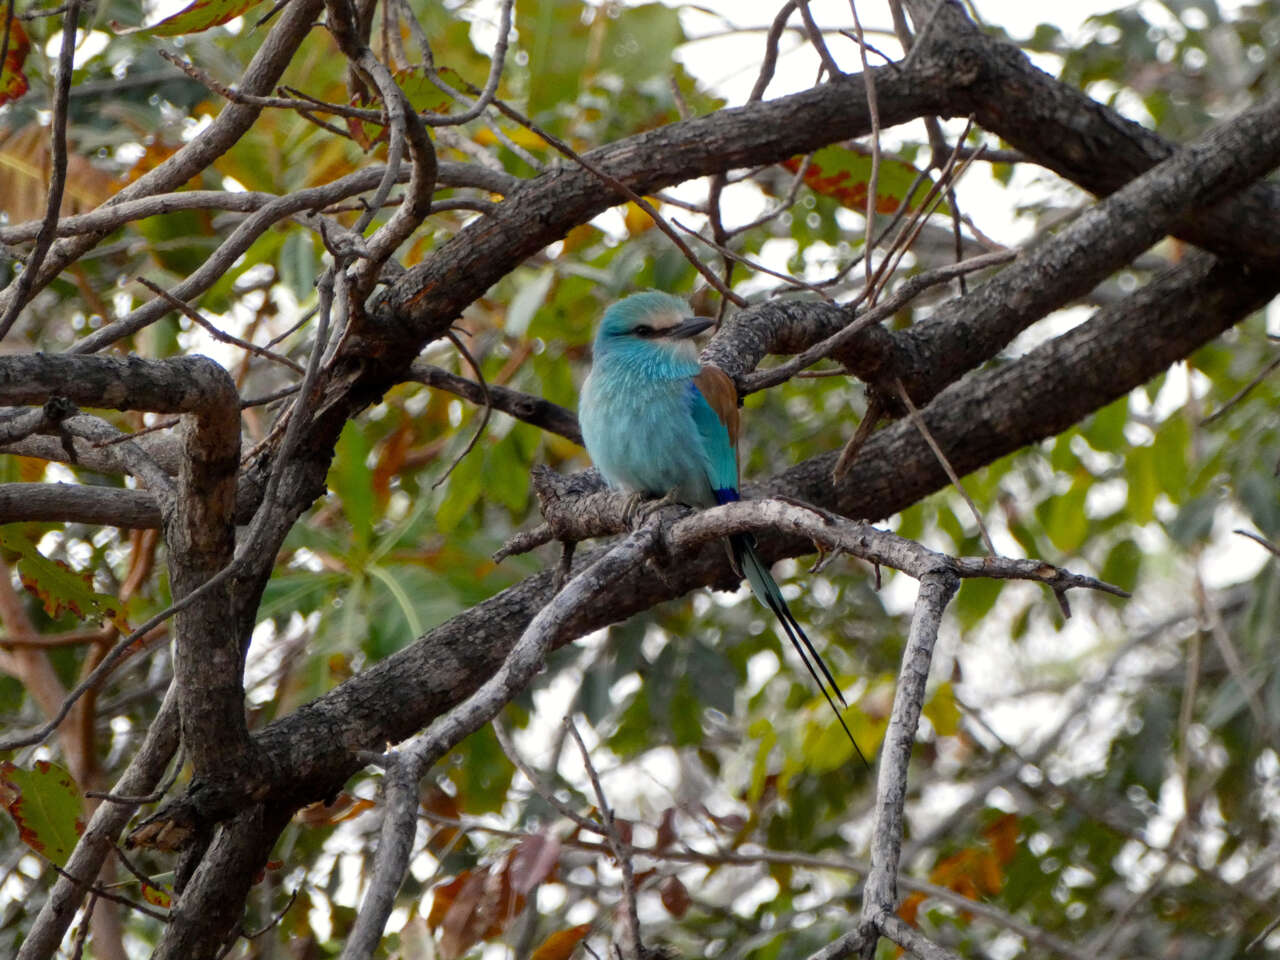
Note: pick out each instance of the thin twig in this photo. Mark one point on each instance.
(659, 220)
(409, 764)
(1231, 657)
(621, 851)
(918, 422)
(815, 37)
(152, 797)
(191, 313)
(1243, 391)
(1259, 539)
(544, 790)
(880, 892)
(873, 109)
(770, 61)
(730, 256)
(114, 898)
(484, 417)
(58, 165)
(82, 935)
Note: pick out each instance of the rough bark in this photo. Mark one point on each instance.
(246, 787)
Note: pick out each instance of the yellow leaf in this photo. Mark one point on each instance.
(521, 137)
(561, 944)
(943, 712)
(636, 219)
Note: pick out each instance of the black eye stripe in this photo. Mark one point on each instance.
(644, 330)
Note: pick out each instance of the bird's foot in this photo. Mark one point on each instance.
(638, 510)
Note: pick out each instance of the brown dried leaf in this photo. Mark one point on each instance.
(667, 829)
(533, 860)
(460, 924)
(343, 807)
(674, 897)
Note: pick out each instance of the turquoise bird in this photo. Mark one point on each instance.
(659, 424)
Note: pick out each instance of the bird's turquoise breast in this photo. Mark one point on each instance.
(640, 432)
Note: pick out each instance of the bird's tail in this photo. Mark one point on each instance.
(742, 546)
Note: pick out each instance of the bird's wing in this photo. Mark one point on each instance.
(714, 405)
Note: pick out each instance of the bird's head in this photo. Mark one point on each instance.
(651, 320)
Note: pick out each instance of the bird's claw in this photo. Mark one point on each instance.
(639, 511)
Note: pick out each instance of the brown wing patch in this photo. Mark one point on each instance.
(722, 397)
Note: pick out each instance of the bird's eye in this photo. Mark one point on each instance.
(643, 330)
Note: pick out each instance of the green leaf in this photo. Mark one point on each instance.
(640, 40)
(45, 804)
(976, 598)
(483, 773)
(1172, 449)
(557, 37)
(686, 714)
(198, 16)
(464, 487)
(60, 588)
(351, 479)
(1105, 429)
(1065, 520)
(527, 301)
(1194, 521)
(1257, 491)
(715, 681)
(401, 596)
(1143, 485)
(299, 265)
(1123, 562)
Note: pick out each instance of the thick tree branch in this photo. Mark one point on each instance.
(1085, 141)
(1055, 270)
(976, 421)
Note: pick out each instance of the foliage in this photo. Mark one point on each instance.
(1109, 784)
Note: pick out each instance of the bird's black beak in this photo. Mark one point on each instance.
(689, 328)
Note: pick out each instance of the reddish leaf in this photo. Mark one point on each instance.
(845, 176)
(674, 897)
(262, 874)
(391, 457)
(436, 801)
(482, 908)
(560, 945)
(667, 829)
(533, 860)
(443, 897)
(60, 588)
(624, 829)
(1002, 834)
(911, 907)
(13, 82)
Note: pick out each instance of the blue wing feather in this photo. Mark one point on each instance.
(716, 447)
